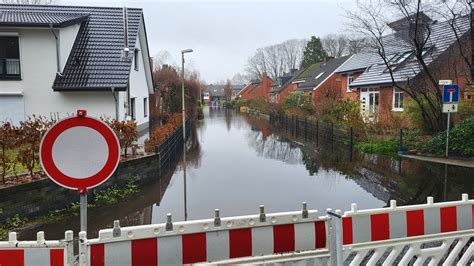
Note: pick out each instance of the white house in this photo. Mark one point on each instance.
(57, 59)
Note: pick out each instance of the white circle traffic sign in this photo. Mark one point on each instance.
(79, 152)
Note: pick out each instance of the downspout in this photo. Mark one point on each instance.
(472, 45)
(58, 67)
(126, 51)
(116, 104)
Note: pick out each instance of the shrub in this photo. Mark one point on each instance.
(461, 140)
(126, 132)
(8, 140)
(30, 133)
(379, 147)
(162, 132)
(298, 100)
(259, 104)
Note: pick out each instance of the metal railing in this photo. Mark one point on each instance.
(329, 135)
(9, 68)
(168, 150)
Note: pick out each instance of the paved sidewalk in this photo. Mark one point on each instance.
(457, 162)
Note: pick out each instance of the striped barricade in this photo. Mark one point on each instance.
(368, 234)
(360, 226)
(37, 253)
(209, 240)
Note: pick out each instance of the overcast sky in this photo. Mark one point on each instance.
(225, 33)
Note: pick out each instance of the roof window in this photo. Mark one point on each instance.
(319, 75)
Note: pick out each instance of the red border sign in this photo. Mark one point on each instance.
(46, 153)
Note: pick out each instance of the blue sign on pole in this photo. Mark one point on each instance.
(451, 94)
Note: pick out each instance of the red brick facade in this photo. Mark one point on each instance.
(254, 91)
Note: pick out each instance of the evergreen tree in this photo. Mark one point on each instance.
(313, 52)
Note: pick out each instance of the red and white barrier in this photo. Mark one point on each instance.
(372, 237)
(407, 221)
(36, 253)
(203, 241)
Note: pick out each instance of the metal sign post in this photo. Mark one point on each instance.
(80, 153)
(450, 105)
(83, 203)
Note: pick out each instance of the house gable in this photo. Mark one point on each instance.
(96, 61)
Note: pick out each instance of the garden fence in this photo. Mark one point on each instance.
(168, 150)
(334, 136)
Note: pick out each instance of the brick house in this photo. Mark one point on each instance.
(323, 81)
(283, 86)
(257, 89)
(365, 76)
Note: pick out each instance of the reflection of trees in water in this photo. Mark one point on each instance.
(268, 145)
(228, 118)
(273, 148)
(194, 152)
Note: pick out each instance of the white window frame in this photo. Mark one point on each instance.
(350, 79)
(397, 93)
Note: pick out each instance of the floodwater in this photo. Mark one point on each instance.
(239, 163)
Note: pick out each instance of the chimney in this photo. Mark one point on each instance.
(126, 49)
(407, 27)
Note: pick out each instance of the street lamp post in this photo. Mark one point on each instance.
(184, 128)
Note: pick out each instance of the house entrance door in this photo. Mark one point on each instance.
(369, 100)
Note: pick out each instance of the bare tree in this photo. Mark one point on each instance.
(228, 90)
(240, 79)
(29, 2)
(276, 59)
(162, 58)
(293, 52)
(356, 44)
(370, 22)
(257, 64)
(335, 45)
(451, 11)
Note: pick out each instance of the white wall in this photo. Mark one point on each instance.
(138, 85)
(38, 68)
(67, 36)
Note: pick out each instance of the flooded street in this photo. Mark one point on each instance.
(240, 164)
(242, 167)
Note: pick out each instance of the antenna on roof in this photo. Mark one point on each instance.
(126, 50)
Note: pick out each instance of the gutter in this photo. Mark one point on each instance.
(58, 67)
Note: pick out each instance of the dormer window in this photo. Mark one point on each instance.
(9, 58)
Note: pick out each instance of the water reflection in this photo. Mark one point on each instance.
(408, 181)
(244, 165)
